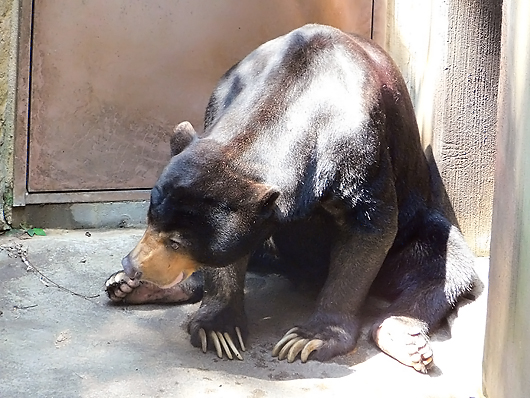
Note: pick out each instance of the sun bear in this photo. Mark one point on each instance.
(310, 147)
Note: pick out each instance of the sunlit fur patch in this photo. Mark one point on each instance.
(159, 263)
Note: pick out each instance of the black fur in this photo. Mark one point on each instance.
(311, 147)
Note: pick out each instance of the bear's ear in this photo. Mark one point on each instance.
(267, 196)
(183, 135)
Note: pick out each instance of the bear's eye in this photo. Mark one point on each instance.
(175, 244)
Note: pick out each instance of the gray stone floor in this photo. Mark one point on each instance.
(57, 344)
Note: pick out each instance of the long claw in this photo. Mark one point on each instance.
(216, 343)
(292, 330)
(241, 344)
(225, 346)
(232, 346)
(279, 345)
(296, 349)
(204, 340)
(285, 350)
(309, 348)
(222, 342)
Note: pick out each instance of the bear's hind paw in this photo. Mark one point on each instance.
(404, 339)
(122, 289)
(119, 285)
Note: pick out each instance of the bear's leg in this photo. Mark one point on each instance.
(220, 323)
(429, 274)
(333, 328)
(122, 289)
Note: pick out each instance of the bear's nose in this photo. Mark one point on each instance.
(131, 271)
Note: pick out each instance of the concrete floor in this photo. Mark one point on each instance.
(56, 344)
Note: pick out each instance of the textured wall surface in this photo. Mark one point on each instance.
(507, 352)
(449, 54)
(8, 37)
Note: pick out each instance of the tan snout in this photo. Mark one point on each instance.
(154, 260)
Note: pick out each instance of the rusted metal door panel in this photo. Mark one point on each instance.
(110, 79)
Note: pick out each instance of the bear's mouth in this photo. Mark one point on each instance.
(180, 277)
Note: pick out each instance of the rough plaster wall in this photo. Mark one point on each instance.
(416, 39)
(449, 51)
(466, 147)
(507, 352)
(8, 38)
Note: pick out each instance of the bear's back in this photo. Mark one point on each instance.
(307, 113)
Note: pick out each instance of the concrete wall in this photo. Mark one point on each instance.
(8, 40)
(507, 349)
(448, 51)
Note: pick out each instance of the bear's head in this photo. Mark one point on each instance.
(202, 213)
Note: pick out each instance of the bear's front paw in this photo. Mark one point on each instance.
(322, 338)
(219, 327)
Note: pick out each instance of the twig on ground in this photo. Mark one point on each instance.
(17, 250)
(16, 307)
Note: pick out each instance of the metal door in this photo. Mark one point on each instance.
(108, 80)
